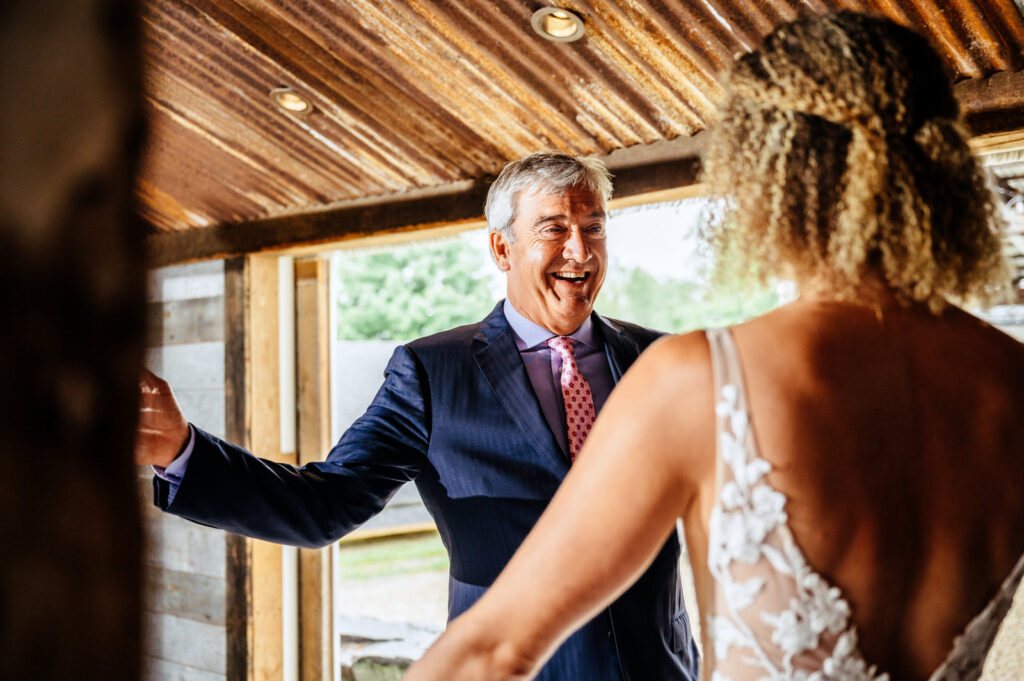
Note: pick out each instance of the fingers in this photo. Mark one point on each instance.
(161, 426)
(156, 401)
(150, 383)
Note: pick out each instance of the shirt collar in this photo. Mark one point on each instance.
(529, 334)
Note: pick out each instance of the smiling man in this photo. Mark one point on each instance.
(485, 418)
(554, 254)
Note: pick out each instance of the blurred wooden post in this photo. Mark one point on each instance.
(314, 434)
(72, 301)
(254, 584)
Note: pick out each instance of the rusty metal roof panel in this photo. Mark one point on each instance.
(412, 94)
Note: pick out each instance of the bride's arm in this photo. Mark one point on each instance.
(641, 468)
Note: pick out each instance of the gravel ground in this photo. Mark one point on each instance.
(420, 598)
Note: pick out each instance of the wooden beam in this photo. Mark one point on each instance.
(999, 142)
(994, 104)
(237, 583)
(265, 430)
(352, 220)
(639, 170)
(312, 336)
(312, 346)
(254, 568)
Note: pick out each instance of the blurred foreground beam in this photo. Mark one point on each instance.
(73, 307)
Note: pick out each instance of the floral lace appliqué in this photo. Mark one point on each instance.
(748, 526)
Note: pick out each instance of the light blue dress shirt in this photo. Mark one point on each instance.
(544, 366)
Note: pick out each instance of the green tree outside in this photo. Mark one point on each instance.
(677, 305)
(411, 292)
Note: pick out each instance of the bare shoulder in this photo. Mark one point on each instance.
(1009, 347)
(674, 370)
(975, 351)
(679, 355)
(668, 393)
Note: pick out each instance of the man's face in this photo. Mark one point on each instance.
(556, 264)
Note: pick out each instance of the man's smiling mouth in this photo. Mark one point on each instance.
(574, 277)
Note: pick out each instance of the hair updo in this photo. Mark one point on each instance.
(842, 154)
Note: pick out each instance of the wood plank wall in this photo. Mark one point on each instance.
(185, 638)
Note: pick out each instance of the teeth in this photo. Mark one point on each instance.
(571, 276)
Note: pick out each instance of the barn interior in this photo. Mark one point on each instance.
(175, 174)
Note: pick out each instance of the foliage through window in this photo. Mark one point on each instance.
(660, 274)
(410, 291)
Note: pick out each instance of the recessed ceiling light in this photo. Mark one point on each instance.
(557, 24)
(291, 101)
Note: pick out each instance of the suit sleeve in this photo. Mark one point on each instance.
(227, 487)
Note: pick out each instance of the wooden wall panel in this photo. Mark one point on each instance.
(196, 320)
(184, 596)
(203, 583)
(185, 641)
(162, 670)
(176, 544)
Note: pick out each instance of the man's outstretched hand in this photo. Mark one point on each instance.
(162, 430)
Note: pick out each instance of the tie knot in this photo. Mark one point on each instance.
(562, 345)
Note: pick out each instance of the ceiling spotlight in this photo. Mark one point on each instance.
(290, 101)
(557, 24)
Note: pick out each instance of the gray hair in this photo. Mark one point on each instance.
(551, 172)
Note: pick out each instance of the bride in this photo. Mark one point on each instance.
(850, 467)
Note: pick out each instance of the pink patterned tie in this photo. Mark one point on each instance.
(579, 403)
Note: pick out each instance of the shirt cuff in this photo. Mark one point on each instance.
(175, 472)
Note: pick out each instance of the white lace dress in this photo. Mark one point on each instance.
(773, 617)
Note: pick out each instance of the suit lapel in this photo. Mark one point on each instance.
(498, 358)
(621, 351)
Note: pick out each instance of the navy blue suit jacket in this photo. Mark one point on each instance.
(457, 415)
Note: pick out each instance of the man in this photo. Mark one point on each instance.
(485, 418)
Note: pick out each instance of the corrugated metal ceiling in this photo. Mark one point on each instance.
(412, 94)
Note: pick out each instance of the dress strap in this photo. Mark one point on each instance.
(727, 375)
(725, 361)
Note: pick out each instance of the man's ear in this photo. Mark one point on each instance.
(499, 249)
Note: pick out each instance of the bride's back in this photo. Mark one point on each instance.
(893, 431)
(898, 439)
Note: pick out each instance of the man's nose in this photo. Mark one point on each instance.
(576, 247)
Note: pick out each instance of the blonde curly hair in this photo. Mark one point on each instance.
(842, 154)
